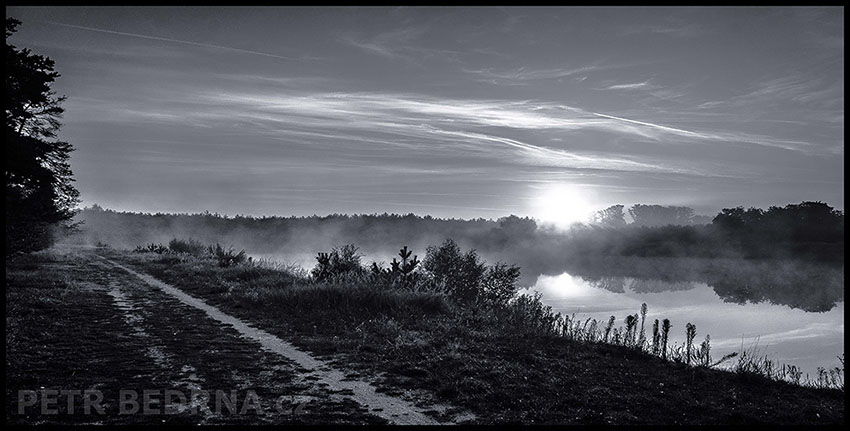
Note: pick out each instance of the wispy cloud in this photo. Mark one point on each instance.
(789, 88)
(723, 136)
(166, 39)
(408, 120)
(635, 86)
(392, 44)
(522, 74)
(813, 87)
(671, 26)
(492, 129)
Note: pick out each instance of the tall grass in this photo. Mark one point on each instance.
(190, 246)
(753, 362)
(180, 248)
(749, 361)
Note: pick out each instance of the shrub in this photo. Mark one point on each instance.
(341, 261)
(399, 274)
(190, 246)
(227, 258)
(457, 273)
(151, 248)
(498, 286)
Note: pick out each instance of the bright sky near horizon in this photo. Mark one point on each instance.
(455, 112)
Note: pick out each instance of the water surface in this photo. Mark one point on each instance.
(787, 333)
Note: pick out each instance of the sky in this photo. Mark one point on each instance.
(449, 111)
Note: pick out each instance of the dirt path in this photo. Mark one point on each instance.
(393, 409)
(76, 322)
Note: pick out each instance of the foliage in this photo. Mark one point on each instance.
(400, 274)
(347, 291)
(510, 239)
(527, 315)
(227, 257)
(39, 193)
(190, 246)
(611, 217)
(690, 334)
(807, 229)
(499, 284)
(341, 261)
(151, 248)
(459, 274)
(752, 363)
(659, 215)
(464, 277)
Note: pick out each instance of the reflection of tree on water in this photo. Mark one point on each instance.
(611, 284)
(808, 286)
(652, 286)
(637, 285)
(811, 288)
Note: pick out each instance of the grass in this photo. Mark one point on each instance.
(64, 332)
(751, 362)
(511, 362)
(226, 257)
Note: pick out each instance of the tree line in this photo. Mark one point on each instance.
(808, 230)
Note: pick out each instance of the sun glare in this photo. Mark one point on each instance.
(562, 205)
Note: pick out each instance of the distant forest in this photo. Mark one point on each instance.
(812, 231)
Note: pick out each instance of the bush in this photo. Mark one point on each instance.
(179, 250)
(400, 274)
(528, 315)
(151, 248)
(190, 246)
(498, 286)
(459, 274)
(466, 278)
(227, 258)
(341, 261)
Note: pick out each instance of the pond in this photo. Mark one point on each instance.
(775, 314)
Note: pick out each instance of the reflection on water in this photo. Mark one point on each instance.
(805, 285)
(749, 317)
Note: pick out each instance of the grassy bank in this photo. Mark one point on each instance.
(506, 361)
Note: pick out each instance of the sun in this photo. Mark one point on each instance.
(562, 205)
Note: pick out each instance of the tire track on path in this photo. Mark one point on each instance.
(393, 409)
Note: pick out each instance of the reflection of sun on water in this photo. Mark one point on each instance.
(567, 286)
(564, 286)
(787, 335)
(562, 205)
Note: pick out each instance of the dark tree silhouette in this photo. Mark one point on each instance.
(39, 191)
(658, 215)
(808, 229)
(612, 217)
(458, 273)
